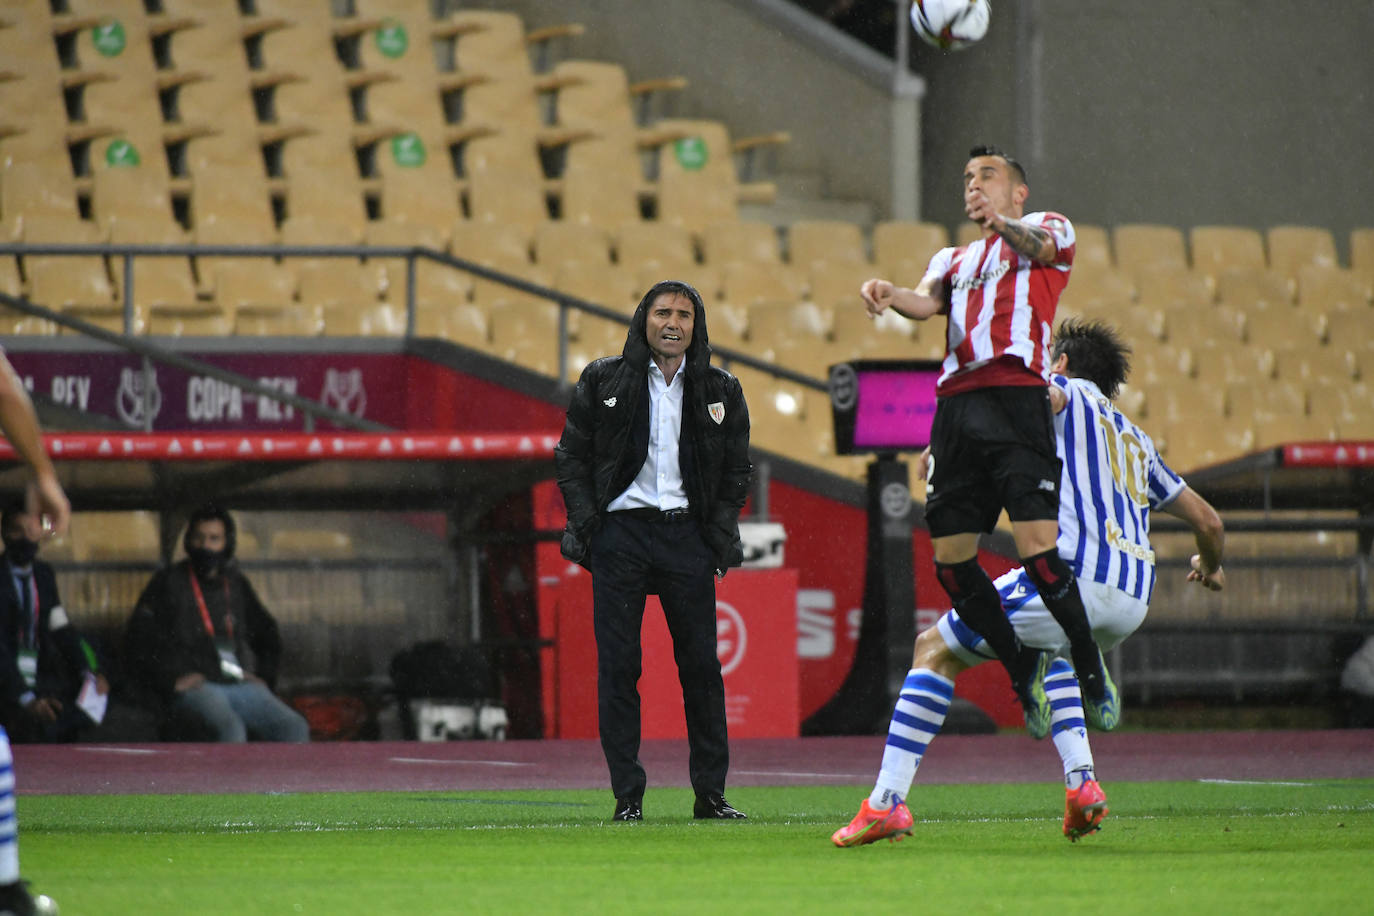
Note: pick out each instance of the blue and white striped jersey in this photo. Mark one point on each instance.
(1112, 478)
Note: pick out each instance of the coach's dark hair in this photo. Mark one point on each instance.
(1096, 352)
(989, 150)
(212, 512)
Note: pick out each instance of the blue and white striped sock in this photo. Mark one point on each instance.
(9, 827)
(920, 712)
(1067, 728)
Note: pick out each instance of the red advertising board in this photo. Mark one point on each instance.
(756, 627)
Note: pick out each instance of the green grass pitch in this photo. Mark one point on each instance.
(1214, 848)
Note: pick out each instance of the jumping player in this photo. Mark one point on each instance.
(1112, 479)
(992, 440)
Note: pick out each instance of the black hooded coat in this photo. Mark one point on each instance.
(606, 439)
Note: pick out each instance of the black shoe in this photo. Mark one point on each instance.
(628, 809)
(15, 899)
(715, 807)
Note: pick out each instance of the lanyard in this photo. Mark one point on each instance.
(205, 612)
(29, 639)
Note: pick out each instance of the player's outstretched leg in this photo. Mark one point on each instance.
(14, 894)
(916, 720)
(1085, 804)
(1059, 590)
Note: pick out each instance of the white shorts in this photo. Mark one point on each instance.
(1112, 613)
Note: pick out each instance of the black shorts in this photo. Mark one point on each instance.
(993, 449)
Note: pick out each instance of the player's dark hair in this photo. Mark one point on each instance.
(989, 150)
(1096, 352)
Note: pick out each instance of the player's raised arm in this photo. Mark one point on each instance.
(1209, 533)
(917, 304)
(20, 425)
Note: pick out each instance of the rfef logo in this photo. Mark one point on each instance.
(732, 638)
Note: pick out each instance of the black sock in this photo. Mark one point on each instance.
(1059, 590)
(976, 599)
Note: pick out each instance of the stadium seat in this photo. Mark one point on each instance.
(435, 284)
(277, 321)
(489, 241)
(704, 277)
(1092, 248)
(116, 537)
(745, 283)
(1275, 429)
(1251, 289)
(649, 241)
(740, 240)
(833, 241)
(1293, 247)
(599, 283)
(157, 280)
(1331, 289)
(1219, 248)
(856, 336)
(1173, 288)
(463, 323)
(896, 241)
(558, 242)
(775, 412)
(35, 190)
(514, 197)
(61, 282)
(202, 319)
(967, 234)
(598, 94)
(336, 283)
(1247, 400)
(1141, 247)
(603, 199)
(1188, 325)
(836, 284)
(771, 322)
(697, 181)
(1099, 292)
(246, 282)
(1362, 253)
(413, 198)
(376, 320)
(488, 293)
(526, 333)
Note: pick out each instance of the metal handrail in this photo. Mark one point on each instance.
(563, 300)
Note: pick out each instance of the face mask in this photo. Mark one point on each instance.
(204, 561)
(20, 551)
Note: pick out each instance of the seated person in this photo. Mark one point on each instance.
(201, 640)
(44, 661)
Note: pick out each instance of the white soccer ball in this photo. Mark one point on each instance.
(950, 25)
(43, 905)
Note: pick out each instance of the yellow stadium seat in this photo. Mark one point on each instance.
(277, 321)
(29, 190)
(193, 320)
(1250, 289)
(1247, 400)
(157, 280)
(245, 282)
(740, 240)
(376, 320)
(336, 282)
(1189, 325)
(488, 293)
(836, 284)
(1331, 289)
(61, 282)
(598, 283)
(705, 278)
(557, 243)
(603, 199)
(697, 181)
(773, 322)
(641, 242)
(1293, 247)
(514, 197)
(1171, 288)
(1092, 248)
(1276, 429)
(896, 241)
(116, 537)
(1143, 247)
(967, 234)
(489, 241)
(1219, 248)
(1362, 253)
(832, 241)
(1099, 292)
(857, 336)
(312, 544)
(463, 323)
(745, 283)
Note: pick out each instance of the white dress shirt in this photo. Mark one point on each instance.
(658, 485)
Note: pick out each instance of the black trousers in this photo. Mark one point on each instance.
(632, 558)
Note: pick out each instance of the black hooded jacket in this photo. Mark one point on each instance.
(606, 439)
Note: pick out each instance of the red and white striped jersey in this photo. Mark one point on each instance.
(1000, 308)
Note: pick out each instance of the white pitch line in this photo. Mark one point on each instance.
(799, 775)
(118, 750)
(1253, 782)
(483, 763)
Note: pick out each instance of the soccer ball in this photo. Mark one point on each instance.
(950, 25)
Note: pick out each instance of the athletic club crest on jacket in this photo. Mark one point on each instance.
(717, 411)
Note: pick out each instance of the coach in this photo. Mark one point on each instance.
(654, 469)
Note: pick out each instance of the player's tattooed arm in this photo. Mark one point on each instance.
(1030, 241)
